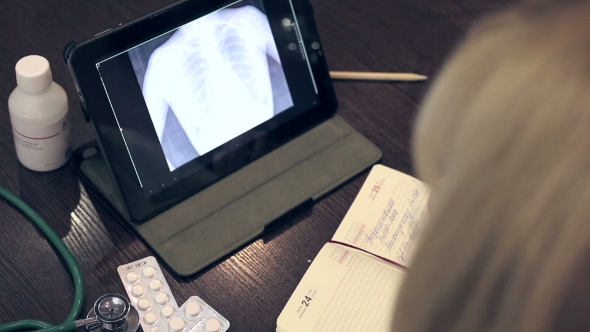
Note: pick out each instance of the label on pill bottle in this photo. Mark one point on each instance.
(43, 148)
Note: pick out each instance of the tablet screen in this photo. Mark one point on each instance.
(192, 94)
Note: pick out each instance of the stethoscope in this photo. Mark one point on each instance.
(111, 313)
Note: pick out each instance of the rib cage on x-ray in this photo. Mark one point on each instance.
(245, 61)
(217, 76)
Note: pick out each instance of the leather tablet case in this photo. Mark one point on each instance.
(235, 210)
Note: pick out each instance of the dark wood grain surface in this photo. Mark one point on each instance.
(250, 287)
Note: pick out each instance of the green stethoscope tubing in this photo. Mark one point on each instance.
(31, 324)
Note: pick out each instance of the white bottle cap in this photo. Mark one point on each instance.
(33, 73)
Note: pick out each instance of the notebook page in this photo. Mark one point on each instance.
(386, 217)
(343, 290)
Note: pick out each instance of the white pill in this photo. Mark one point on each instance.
(212, 325)
(144, 304)
(176, 324)
(161, 298)
(149, 272)
(150, 318)
(137, 290)
(192, 309)
(155, 285)
(155, 329)
(167, 311)
(132, 277)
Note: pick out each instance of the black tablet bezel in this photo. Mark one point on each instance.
(82, 60)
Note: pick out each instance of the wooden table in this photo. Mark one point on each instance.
(251, 287)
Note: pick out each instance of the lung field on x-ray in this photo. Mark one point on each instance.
(196, 65)
(262, 76)
(249, 66)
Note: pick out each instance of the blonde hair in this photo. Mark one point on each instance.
(503, 139)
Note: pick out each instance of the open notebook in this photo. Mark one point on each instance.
(352, 283)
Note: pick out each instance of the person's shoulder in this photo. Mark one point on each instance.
(162, 68)
(165, 56)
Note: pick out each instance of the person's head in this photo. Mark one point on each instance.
(503, 139)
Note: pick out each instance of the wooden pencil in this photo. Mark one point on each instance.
(375, 76)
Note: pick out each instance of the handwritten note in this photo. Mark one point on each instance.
(387, 216)
(350, 289)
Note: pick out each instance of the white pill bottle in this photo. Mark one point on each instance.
(39, 115)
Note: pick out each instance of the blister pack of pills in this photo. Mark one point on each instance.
(193, 316)
(148, 291)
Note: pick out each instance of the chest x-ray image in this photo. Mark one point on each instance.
(210, 81)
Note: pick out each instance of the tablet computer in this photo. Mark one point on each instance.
(195, 91)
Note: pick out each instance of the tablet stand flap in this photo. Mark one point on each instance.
(228, 214)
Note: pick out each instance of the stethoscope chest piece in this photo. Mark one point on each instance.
(113, 313)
